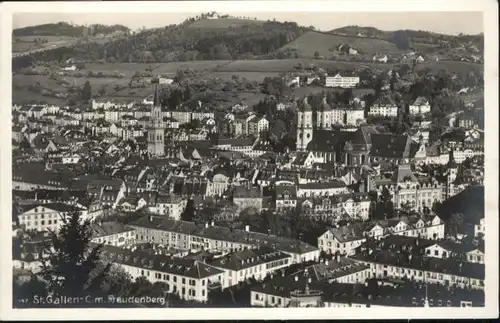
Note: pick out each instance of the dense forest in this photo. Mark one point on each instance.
(69, 30)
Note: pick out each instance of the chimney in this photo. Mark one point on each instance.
(296, 278)
(247, 228)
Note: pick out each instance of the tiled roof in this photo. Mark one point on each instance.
(161, 263)
(444, 266)
(248, 258)
(108, 228)
(322, 186)
(390, 145)
(226, 234)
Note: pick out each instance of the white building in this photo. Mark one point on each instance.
(188, 235)
(44, 217)
(379, 109)
(112, 233)
(479, 229)
(168, 205)
(420, 106)
(256, 263)
(190, 279)
(345, 240)
(342, 81)
(321, 189)
(433, 270)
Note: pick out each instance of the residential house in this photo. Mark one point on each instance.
(420, 106)
(384, 107)
(112, 233)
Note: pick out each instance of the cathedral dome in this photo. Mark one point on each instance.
(324, 106)
(305, 107)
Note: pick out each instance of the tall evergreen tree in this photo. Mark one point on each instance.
(73, 266)
(86, 91)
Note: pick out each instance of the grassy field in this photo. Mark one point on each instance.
(26, 43)
(224, 23)
(311, 42)
(44, 80)
(287, 65)
(254, 70)
(251, 76)
(25, 96)
(451, 66)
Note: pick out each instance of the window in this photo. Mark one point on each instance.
(175, 279)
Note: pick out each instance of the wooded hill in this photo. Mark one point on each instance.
(229, 39)
(66, 29)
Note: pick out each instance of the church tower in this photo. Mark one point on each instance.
(156, 143)
(304, 125)
(452, 173)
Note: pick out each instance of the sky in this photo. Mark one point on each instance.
(440, 22)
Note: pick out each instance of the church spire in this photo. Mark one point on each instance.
(156, 94)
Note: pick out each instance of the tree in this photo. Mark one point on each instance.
(86, 91)
(72, 267)
(26, 290)
(393, 80)
(386, 203)
(454, 223)
(401, 39)
(189, 212)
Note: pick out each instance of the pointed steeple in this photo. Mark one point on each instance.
(451, 160)
(156, 95)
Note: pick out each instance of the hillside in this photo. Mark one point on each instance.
(325, 43)
(68, 30)
(356, 31)
(186, 43)
(224, 23)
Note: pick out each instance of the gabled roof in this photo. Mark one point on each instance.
(248, 258)
(402, 173)
(390, 145)
(421, 101)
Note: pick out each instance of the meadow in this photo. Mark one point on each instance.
(26, 43)
(253, 70)
(311, 42)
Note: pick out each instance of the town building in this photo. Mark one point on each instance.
(341, 81)
(112, 233)
(156, 142)
(190, 279)
(420, 106)
(188, 235)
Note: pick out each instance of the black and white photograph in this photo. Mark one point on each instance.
(239, 158)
